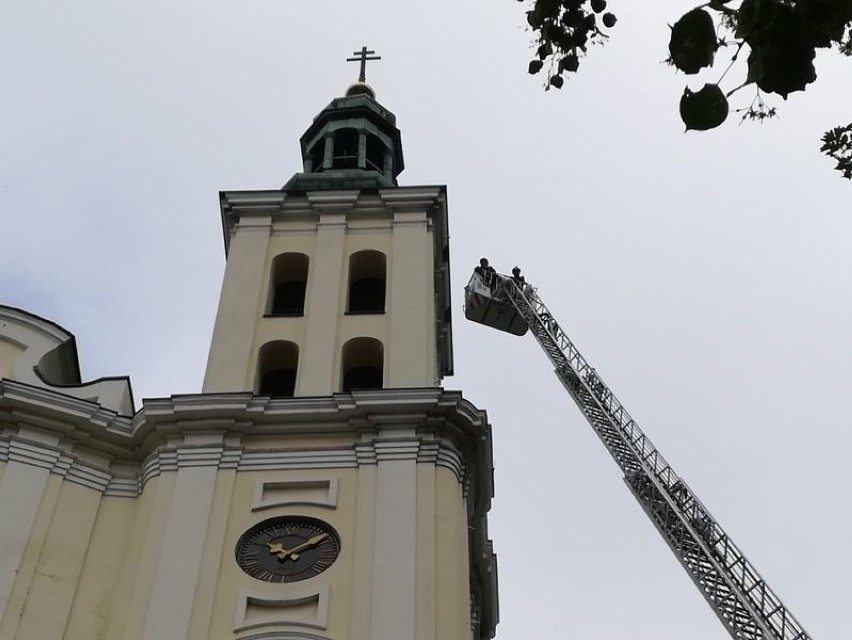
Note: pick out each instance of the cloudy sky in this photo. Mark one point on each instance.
(706, 276)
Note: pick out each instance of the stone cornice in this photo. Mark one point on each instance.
(236, 413)
(428, 425)
(273, 203)
(56, 460)
(65, 415)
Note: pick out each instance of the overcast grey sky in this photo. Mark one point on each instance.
(706, 276)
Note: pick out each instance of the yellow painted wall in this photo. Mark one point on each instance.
(60, 563)
(453, 564)
(406, 329)
(426, 561)
(9, 354)
(363, 554)
(90, 562)
(108, 552)
(231, 578)
(205, 596)
(143, 546)
(29, 561)
(233, 331)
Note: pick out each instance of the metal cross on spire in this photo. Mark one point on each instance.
(362, 56)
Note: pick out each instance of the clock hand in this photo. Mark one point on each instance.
(310, 542)
(277, 549)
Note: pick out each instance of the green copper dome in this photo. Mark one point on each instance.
(352, 144)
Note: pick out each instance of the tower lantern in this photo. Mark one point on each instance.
(352, 143)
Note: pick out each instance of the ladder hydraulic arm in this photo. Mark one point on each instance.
(742, 600)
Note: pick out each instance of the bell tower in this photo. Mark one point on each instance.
(335, 316)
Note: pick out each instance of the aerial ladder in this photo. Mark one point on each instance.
(741, 599)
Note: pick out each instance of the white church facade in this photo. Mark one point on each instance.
(322, 486)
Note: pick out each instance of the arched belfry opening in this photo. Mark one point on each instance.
(346, 145)
(316, 156)
(362, 364)
(288, 284)
(367, 282)
(376, 153)
(277, 366)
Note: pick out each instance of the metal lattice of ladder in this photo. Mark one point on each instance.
(742, 600)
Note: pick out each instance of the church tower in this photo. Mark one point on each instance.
(336, 298)
(336, 295)
(323, 486)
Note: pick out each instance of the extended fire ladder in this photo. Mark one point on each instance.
(742, 600)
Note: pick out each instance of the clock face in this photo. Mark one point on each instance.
(287, 549)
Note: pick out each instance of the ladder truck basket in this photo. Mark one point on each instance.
(481, 305)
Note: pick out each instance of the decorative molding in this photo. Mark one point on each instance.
(86, 475)
(57, 461)
(333, 200)
(42, 408)
(365, 453)
(397, 449)
(42, 428)
(410, 219)
(283, 635)
(35, 454)
(321, 492)
(451, 459)
(239, 207)
(281, 459)
(428, 452)
(130, 480)
(308, 609)
(124, 486)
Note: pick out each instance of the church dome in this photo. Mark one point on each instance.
(352, 144)
(360, 89)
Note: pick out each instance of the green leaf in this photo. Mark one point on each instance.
(693, 41)
(704, 109)
(535, 66)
